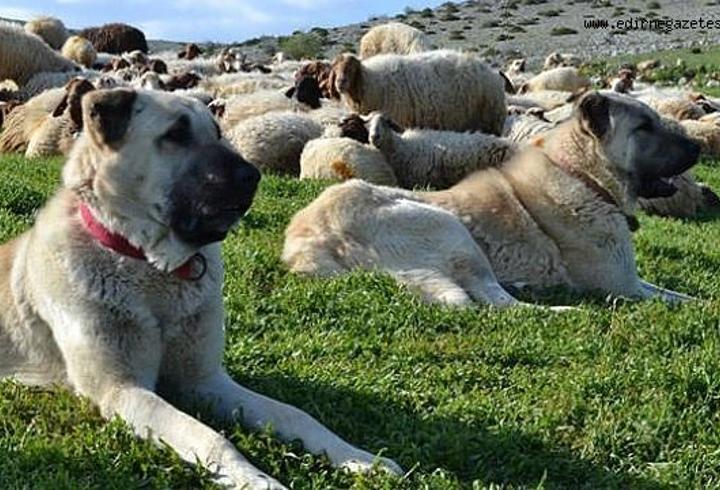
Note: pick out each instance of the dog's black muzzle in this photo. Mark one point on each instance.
(211, 196)
(682, 154)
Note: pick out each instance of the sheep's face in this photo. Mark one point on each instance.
(643, 152)
(348, 71)
(382, 132)
(516, 66)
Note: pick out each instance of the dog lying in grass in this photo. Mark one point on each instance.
(559, 213)
(116, 291)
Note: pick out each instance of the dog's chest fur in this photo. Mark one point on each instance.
(139, 291)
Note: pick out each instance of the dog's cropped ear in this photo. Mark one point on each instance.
(60, 108)
(594, 110)
(106, 114)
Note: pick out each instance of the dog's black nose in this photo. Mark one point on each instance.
(212, 195)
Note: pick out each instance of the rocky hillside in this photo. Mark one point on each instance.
(532, 28)
(502, 29)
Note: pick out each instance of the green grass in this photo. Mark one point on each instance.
(623, 395)
(699, 64)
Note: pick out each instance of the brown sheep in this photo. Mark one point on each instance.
(116, 64)
(158, 66)
(624, 83)
(182, 81)
(190, 52)
(116, 38)
(353, 127)
(322, 72)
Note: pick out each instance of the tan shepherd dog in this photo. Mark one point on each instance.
(560, 213)
(116, 291)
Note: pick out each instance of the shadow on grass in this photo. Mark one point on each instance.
(468, 450)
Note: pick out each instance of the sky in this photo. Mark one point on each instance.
(210, 20)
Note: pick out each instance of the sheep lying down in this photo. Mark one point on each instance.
(414, 157)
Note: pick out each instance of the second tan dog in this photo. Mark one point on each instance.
(560, 213)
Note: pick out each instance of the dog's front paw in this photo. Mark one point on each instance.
(243, 481)
(366, 462)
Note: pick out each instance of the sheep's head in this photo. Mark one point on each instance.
(190, 52)
(151, 81)
(347, 70)
(321, 71)
(353, 126)
(382, 131)
(137, 58)
(217, 107)
(158, 66)
(553, 59)
(307, 91)
(516, 66)
(116, 64)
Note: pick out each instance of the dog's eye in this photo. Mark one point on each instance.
(179, 133)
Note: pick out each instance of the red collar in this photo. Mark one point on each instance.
(192, 270)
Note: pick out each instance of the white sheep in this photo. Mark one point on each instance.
(344, 158)
(22, 55)
(242, 107)
(229, 84)
(441, 89)
(274, 141)
(203, 66)
(679, 108)
(706, 132)
(556, 60)
(49, 29)
(565, 79)
(43, 81)
(522, 127)
(547, 99)
(24, 120)
(329, 115)
(426, 157)
(79, 50)
(394, 37)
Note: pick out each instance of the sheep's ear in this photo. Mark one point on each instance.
(594, 110)
(107, 114)
(509, 87)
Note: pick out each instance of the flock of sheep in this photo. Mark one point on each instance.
(399, 113)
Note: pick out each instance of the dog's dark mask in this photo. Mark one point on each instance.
(657, 179)
(210, 197)
(659, 152)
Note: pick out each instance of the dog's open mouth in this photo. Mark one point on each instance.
(658, 187)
